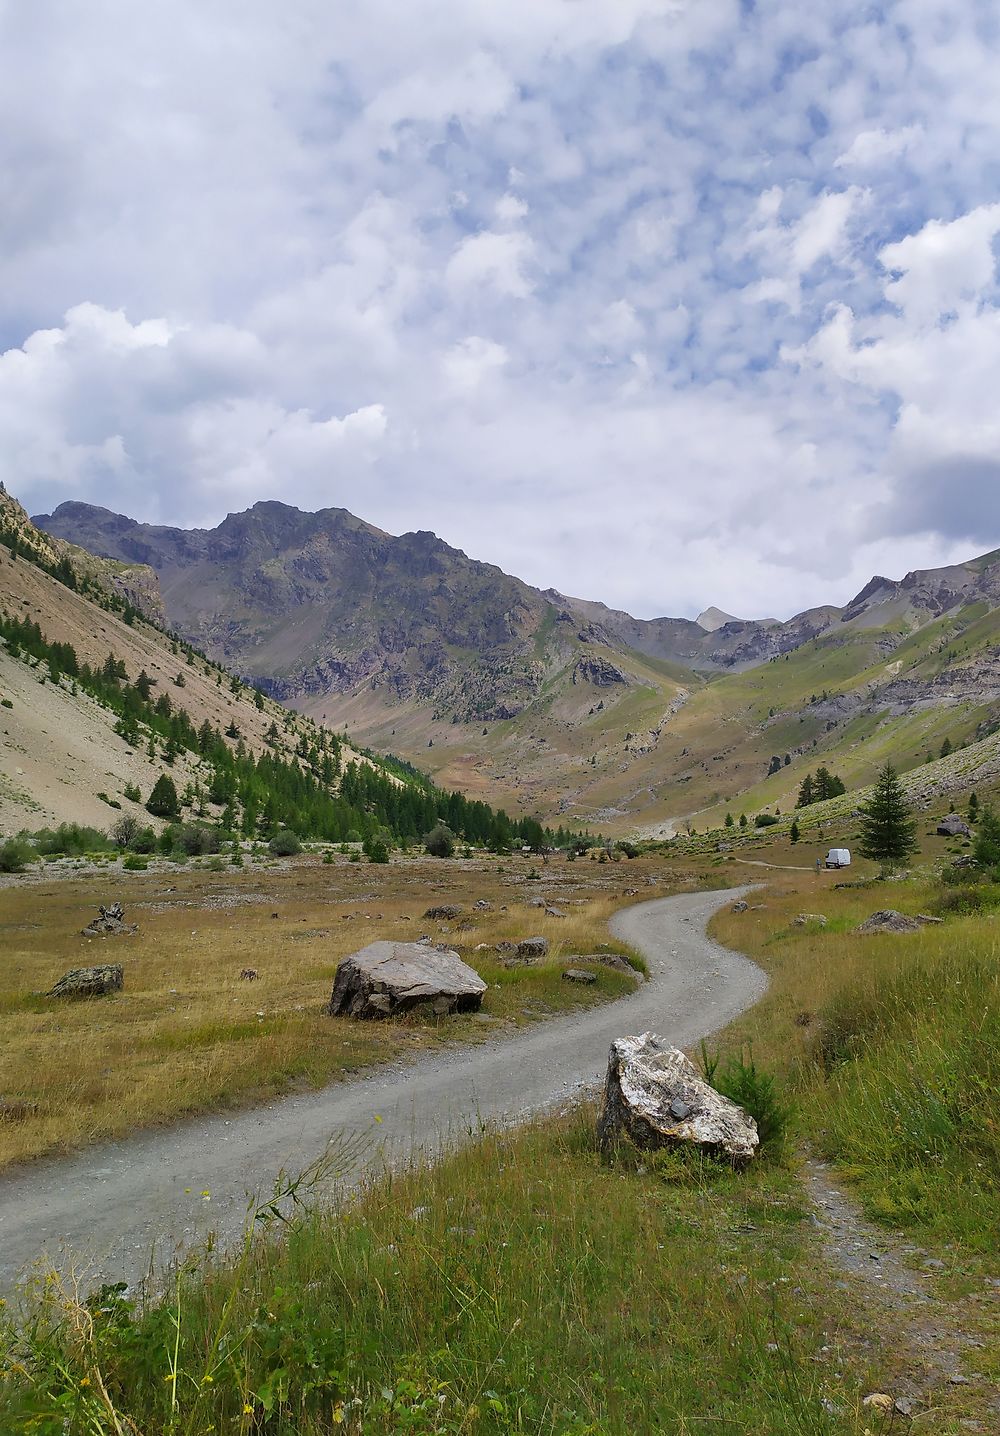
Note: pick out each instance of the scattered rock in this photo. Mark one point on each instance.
(806, 919)
(926, 919)
(482, 905)
(965, 860)
(888, 920)
(740, 906)
(386, 978)
(249, 974)
(645, 1076)
(444, 913)
(878, 1401)
(953, 827)
(111, 923)
(553, 912)
(533, 947)
(90, 981)
(579, 974)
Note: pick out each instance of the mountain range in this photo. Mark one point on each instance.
(560, 705)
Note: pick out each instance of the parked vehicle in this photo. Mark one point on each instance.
(838, 858)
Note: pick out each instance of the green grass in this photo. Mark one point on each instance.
(522, 1286)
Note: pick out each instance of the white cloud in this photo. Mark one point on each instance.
(491, 260)
(669, 303)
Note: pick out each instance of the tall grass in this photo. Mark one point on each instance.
(522, 1286)
(892, 1045)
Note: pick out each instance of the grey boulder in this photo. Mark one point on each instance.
(953, 827)
(657, 1098)
(90, 981)
(888, 920)
(387, 978)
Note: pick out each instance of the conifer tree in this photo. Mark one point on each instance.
(888, 832)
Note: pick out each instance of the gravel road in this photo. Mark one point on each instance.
(121, 1210)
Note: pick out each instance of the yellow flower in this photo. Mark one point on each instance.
(377, 1117)
(338, 1415)
(247, 1409)
(84, 1380)
(207, 1380)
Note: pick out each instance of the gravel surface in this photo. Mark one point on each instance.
(122, 1210)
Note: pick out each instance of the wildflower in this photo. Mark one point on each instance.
(207, 1380)
(247, 1409)
(84, 1380)
(377, 1117)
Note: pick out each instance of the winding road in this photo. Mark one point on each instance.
(124, 1209)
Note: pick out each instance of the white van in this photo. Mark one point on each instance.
(838, 858)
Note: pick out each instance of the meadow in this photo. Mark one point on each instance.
(187, 1035)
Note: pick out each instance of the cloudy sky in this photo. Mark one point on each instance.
(664, 302)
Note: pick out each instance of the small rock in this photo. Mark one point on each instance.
(957, 1379)
(878, 1401)
(386, 978)
(577, 974)
(482, 905)
(807, 919)
(445, 912)
(740, 906)
(249, 974)
(533, 947)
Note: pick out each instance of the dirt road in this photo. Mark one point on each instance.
(125, 1208)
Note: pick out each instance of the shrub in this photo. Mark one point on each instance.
(162, 801)
(15, 855)
(284, 844)
(132, 793)
(71, 838)
(124, 832)
(765, 820)
(135, 864)
(144, 841)
(742, 1082)
(440, 841)
(377, 851)
(327, 857)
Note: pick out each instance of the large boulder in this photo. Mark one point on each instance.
(657, 1098)
(390, 977)
(953, 827)
(90, 981)
(888, 920)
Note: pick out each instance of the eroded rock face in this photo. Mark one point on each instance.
(386, 978)
(657, 1098)
(90, 981)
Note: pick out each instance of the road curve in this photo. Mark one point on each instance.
(118, 1211)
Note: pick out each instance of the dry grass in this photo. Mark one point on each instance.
(186, 1034)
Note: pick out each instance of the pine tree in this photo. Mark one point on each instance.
(806, 794)
(888, 832)
(162, 802)
(986, 848)
(794, 833)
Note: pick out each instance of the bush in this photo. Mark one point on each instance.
(124, 832)
(163, 801)
(378, 852)
(440, 841)
(132, 793)
(71, 838)
(15, 855)
(284, 844)
(754, 1091)
(144, 841)
(135, 864)
(765, 820)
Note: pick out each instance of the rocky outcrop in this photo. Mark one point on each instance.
(387, 978)
(90, 981)
(444, 912)
(655, 1097)
(601, 672)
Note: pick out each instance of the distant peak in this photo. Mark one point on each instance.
(714, 618)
